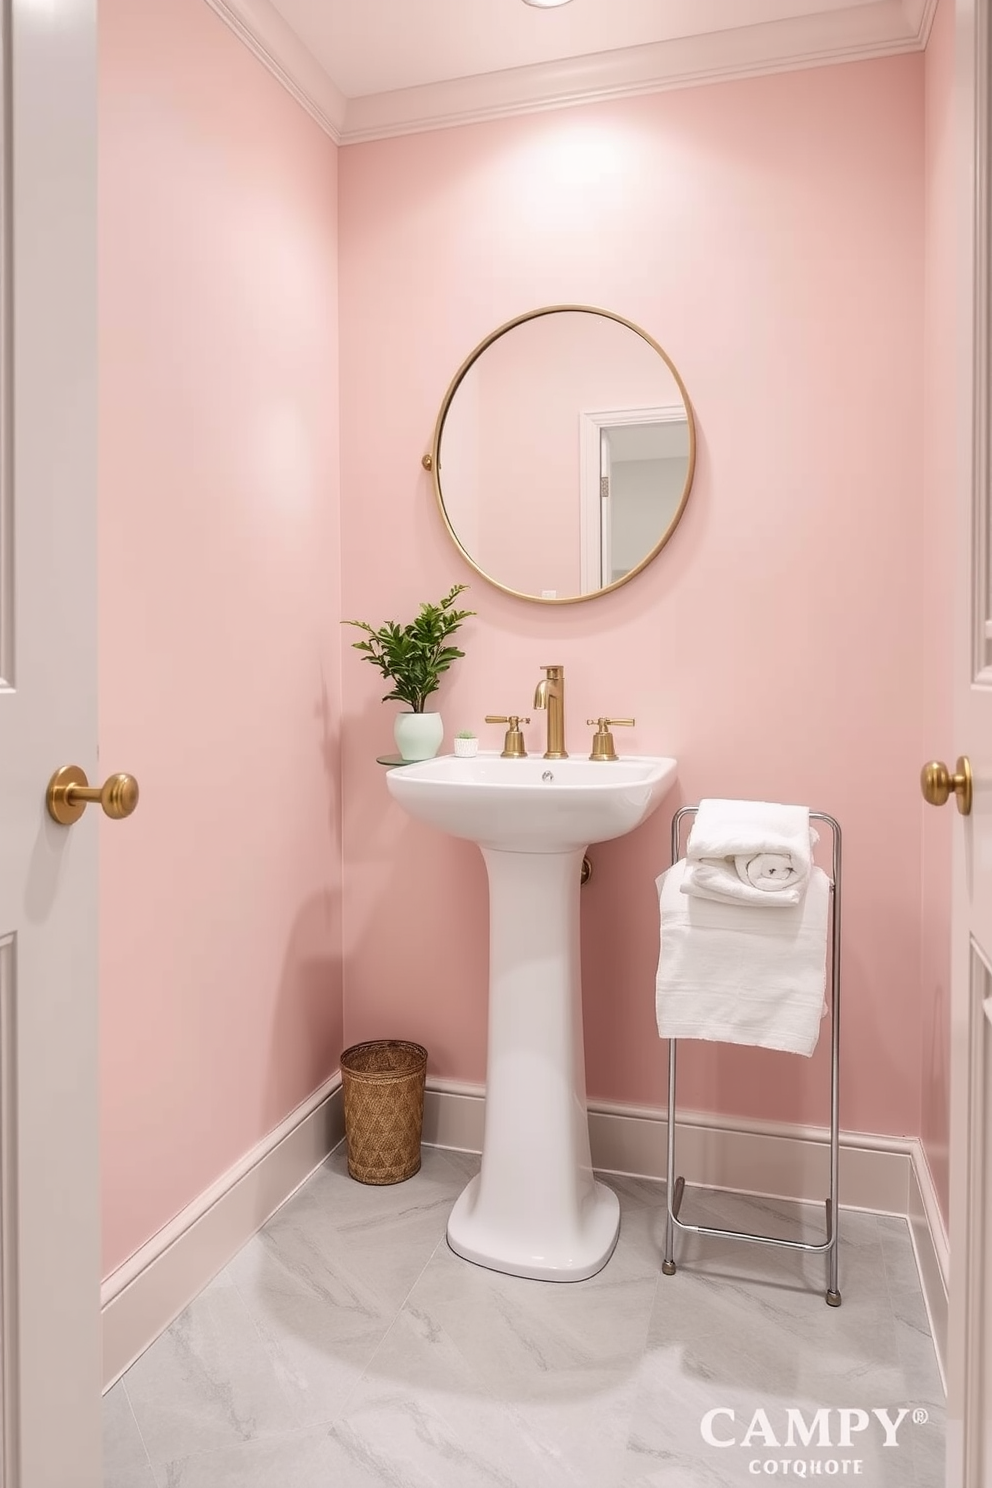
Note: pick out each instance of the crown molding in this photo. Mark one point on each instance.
(921, 12)
(747, 51)
(859, 33)
(273, 41)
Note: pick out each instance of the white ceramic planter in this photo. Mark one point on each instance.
(466, 748)
(418, 735)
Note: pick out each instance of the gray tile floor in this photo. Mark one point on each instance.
(347, 1347)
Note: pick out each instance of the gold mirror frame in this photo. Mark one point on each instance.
(431, 461)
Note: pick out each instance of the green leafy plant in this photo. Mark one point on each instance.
(413, 657)
(465, 734)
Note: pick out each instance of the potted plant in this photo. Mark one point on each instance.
(466, 744)
(413, 658)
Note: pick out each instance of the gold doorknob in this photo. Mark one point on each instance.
(937, 782)
(69, 793)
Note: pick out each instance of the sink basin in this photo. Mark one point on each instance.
(535, 1209)
(533, 804)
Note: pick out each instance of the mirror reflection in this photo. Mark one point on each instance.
(563, 454)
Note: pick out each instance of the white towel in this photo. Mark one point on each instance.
(727, 974)
(739, 881)
(749, 852)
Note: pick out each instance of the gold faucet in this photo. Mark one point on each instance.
(550, 694)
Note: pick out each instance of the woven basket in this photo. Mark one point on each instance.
(383, 1084)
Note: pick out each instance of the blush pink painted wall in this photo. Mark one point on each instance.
(939, 394)
(219, 607)
(769, 234)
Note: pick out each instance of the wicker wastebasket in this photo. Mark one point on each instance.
(383, 1084)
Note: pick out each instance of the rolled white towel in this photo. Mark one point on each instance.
(749, 852)
(719, 879)
(769, 871)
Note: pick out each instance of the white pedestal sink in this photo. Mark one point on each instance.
(535, 1209)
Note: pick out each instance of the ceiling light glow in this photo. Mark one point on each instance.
(545, 4)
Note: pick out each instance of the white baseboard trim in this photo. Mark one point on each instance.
(143, 1296)
(933, 1256)
(886, 1175)
(777, 1159)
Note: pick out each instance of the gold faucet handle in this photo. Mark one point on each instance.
(603, 747)
(513, 744)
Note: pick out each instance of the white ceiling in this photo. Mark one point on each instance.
(378, 46)
(369, 68)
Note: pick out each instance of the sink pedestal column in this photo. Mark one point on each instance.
(535, 1209)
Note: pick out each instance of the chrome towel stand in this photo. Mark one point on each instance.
(675, 1190)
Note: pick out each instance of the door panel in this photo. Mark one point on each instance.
(8, 1217)
(49, 1193)
(969, 1460)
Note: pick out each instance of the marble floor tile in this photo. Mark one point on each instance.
(207, 1382)
(317, 1351)
(782, 1335)
(450, 1435)
(382, 1235)
(465, 1164)
(681, 1386)
(336, 1204)
(927, 1443)
(897, 1251)
(354, 1461)
(524, 1335)
(125, 1461)
(297, 1460)
(749, 1334)
(569, 1428)
(288, 1261)
(915, 1345)
(347, 1345)
(324, 1279)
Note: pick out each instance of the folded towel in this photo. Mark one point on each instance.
(749, 852)
(722, 829)
(727, 974)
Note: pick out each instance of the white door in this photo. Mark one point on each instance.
(969, 1457)
(49, 1191)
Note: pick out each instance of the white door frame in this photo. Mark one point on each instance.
(49, 1057)
(605, 511)
(969, 1352)
(591, 424)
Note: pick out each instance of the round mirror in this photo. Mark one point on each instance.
(563, 453)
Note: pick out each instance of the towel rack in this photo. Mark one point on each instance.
(676, 1190)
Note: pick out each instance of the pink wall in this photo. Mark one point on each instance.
(220, 601)
(769, 234)
(939, 396)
